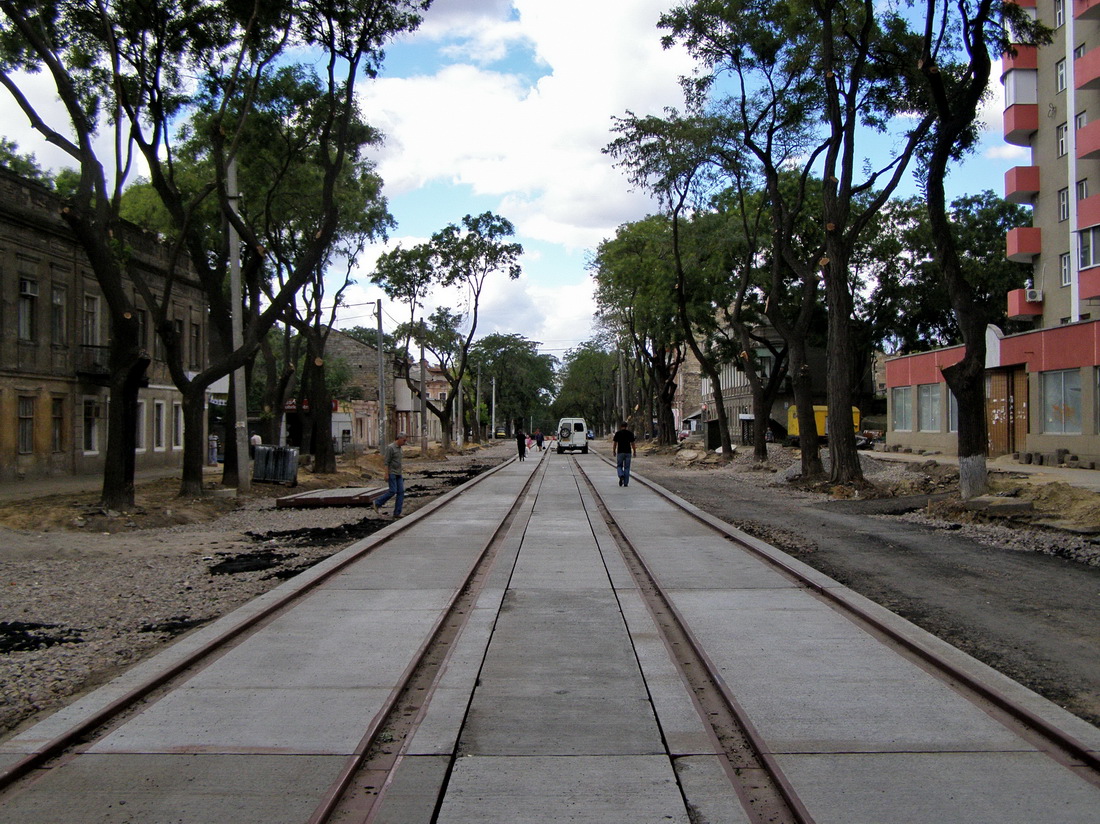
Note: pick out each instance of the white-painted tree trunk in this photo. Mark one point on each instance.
(973, 477)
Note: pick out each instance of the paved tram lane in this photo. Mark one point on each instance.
(557, 698)
(561, 727)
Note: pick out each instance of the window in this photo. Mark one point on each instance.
(928, 407)
(1060, 76)
(1089, 250)
(1080, 121)
(1063, 204)
(177, 426)
(92, 414)
(196, 346)
(903, 408)
(1064, 268)
(1079, 51)
(1059, 13)
(1061, 400)
(28, 301)
(58, 299)
(1062, 135)
(57, 424)
(26, 424)
(90, 324)
(952, 412)
(158, 425)
(139, 427)
(1082, 188)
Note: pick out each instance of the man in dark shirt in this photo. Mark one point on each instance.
(624, 451)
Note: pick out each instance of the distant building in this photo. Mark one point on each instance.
(53, 345)
(1043, 385)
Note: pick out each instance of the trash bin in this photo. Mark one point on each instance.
(276, 465)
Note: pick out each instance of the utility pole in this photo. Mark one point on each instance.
(381, 383)
(493, 421)
(240, 398)
(477, 406)
(423, 404)
(622, 385)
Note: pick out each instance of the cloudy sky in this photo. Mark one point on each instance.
(505, 106)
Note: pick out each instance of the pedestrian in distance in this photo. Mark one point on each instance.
(392, 459)
(624, 451)
(538, 440)
(253, 442)
(521, 444)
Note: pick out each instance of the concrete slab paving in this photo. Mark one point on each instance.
(196, 789)
(918, 788)
(537, 790)
(814, 681)
(707, 790)
(414, 791)
(243, 720)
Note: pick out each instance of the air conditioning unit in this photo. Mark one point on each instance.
(28, 287)
(1033, 295)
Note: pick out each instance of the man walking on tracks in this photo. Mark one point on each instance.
(624, 451)
(392, 457)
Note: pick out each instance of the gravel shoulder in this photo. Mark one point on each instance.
(86, 594)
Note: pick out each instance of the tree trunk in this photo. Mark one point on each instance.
(802, 387)
(194, 442)
(324, 456)
(230, 470)
(846, 468)
(127, 375)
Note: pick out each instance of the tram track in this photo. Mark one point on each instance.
(1058, 744)
(68, 743)
(765, 793)
(360, 789)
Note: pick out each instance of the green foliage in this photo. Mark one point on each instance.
(586, 385)
(525, 379)
(909, 309)
(24, 165)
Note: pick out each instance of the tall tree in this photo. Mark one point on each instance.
(636, 292)
(462, 257)
(955, 64)
(802, 86)
(141, 71)
(587, 385)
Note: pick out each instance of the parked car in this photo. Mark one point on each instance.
(500, 432)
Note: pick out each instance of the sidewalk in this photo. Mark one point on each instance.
(1082, 478)
(79, 484)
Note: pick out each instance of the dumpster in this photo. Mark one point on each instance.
(276, 465)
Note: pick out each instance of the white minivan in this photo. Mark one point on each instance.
(572, 434)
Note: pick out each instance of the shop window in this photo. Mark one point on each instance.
(902, 397)
(928, 408)
(1061, 401)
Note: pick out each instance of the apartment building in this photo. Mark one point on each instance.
(54, 331)
(1042, 385)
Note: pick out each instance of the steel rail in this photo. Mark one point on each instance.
(795, 810)
(1047, 730)
(80, 731)
(446, 624)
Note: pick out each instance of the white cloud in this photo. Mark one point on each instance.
(1006, 151)
(534, 143)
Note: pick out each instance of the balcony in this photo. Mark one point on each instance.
(1088, 141)
(1020, 308)
(1088, 212)
(1023, 243)
(1021, 121)
(1026, 57)
(1086, 70)
(1021, 184)
(1086, 9)
(1088, 283)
